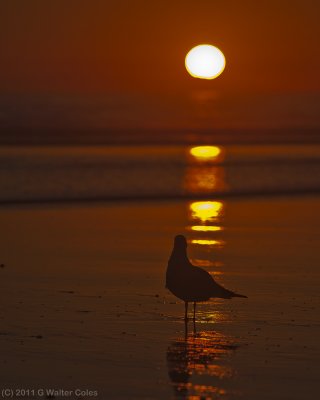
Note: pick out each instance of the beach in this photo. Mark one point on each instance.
(84, 309)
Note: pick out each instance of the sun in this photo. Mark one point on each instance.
(205, 62)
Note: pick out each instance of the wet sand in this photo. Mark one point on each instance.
(84, 305)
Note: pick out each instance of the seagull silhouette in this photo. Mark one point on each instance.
(190, 283)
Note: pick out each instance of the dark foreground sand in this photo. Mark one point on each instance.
(83, 303)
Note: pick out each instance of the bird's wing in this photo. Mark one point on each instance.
(209, 285)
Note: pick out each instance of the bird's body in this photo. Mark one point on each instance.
(188, 282)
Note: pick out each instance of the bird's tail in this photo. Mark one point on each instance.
(239, 295)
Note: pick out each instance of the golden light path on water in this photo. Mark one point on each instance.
(208, 242)
(206, 210)
(195, 362)
(206, 228)
(205, 152)
(204, 171)
(197, 356)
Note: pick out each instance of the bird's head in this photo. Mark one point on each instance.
(180, 242)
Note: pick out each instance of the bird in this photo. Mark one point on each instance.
(189, 282)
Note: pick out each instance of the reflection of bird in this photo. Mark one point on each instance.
(196, 356)
(190, 283)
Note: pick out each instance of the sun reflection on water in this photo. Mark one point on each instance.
(197, 356)
(206, 153)
(203, 175)
(207, 242)
(206, 210)
(204, 180)
(206, 228)
(207, 219)
(207, 263)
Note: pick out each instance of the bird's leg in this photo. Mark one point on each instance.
(185, 329)
(186, 311)
(194, 318)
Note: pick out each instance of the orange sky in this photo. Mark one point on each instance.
(138, 46)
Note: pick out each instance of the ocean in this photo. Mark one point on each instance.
(131, 172)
